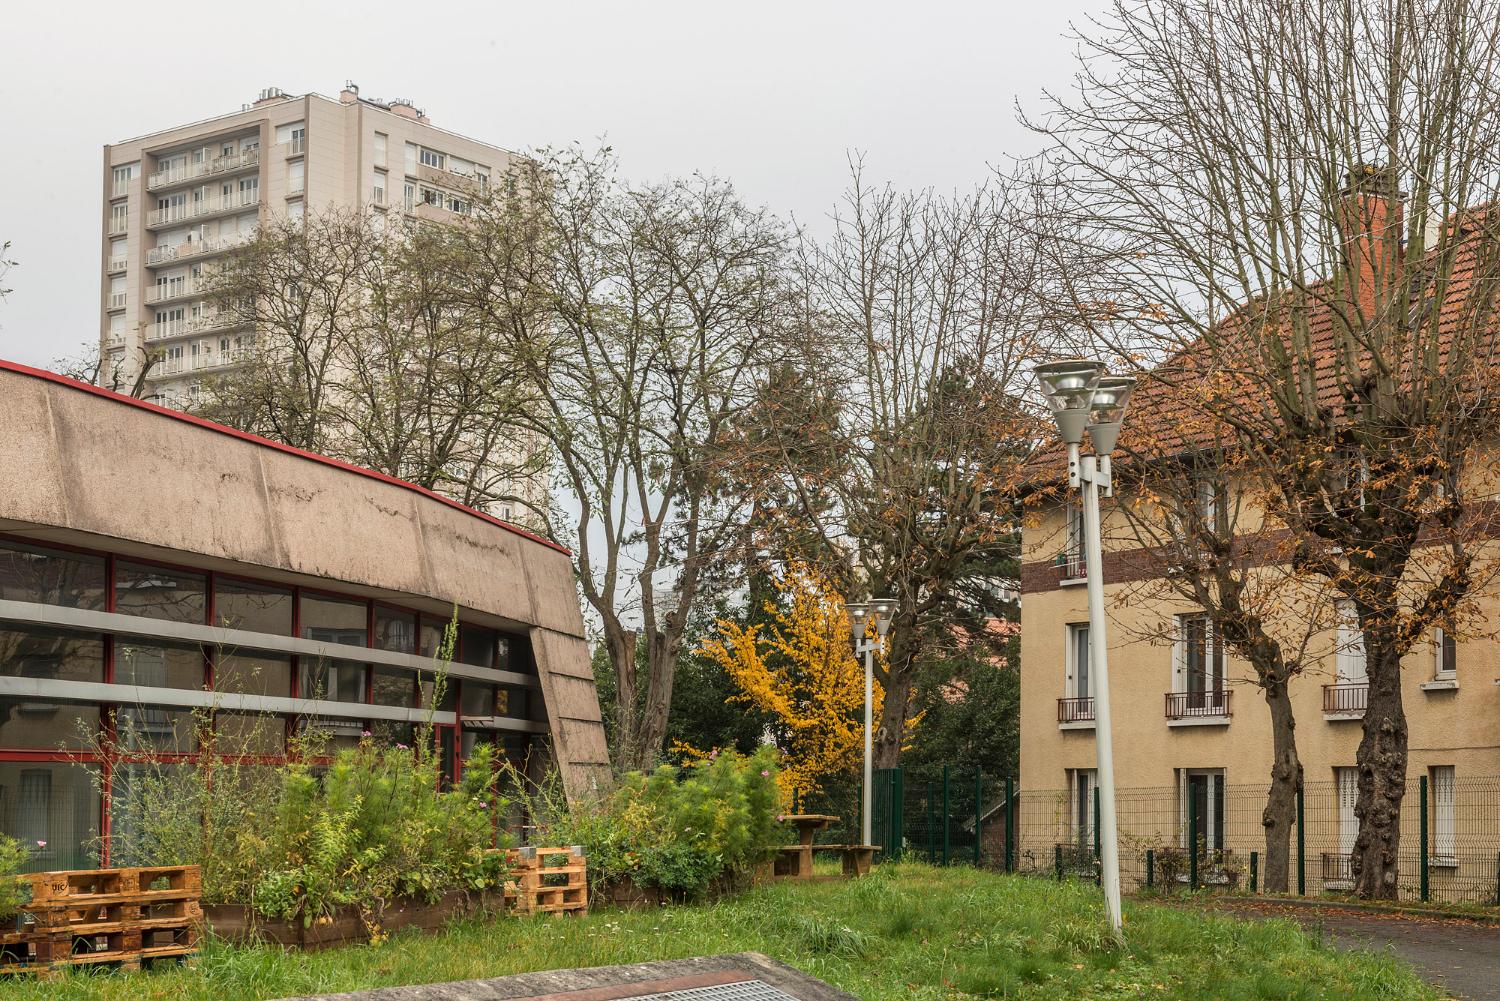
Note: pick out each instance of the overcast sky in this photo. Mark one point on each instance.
(769, 94)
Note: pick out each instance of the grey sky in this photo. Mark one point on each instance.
(770, 94)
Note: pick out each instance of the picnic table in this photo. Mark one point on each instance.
(796, 861)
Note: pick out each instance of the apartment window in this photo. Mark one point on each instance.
(1444, 834)
(1072, 562)
(1199, 663)
(124, 175)
(409, 197)
(1349, 650)
(432, 158)
(1346, 788)
(117, 293)
(335, 620)
(482, 175)
(411, 158)
(391, 686)
(296, 176)
(1445, 655)
(116, 324)
(1081, 785)
(169, 322)
(1078, 683)
(1201, 797)
(295, 209)
(432, 196)
(249, 190)
(119, 216)
(381, 142)
(27, 652)
(255, 607)
(331, 680)
(478, 646)
(378, 187)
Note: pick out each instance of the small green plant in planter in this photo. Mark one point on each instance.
(14, 855)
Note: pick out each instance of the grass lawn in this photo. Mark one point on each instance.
(908, 931)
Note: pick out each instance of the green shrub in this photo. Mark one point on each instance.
(13, 857)
(677, 829)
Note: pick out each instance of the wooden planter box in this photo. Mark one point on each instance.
(239, 923)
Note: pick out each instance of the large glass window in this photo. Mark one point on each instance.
(160, 593)
(54, 809)
(477, 645)
(31, 573)
(390, 732)
(448, 696)
(158, 665)
(255, 607)
(433, 631)
(253, 674)
(249, 733)
(155, 728)
(395, 630)
(392, 686)
(29, 652)
(47, 726)
(479, 699)
(331, 680)
(335, 620)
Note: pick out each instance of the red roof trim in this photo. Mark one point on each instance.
(254, 439)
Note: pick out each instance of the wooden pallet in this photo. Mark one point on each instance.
(549, 881)
(90, 917)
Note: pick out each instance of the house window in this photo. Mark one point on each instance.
(1201, 795)
(378, 187)
(1349, 650)
(1445, 655)
(432, 158)
(296, 176)
(1206, 501)
(1081, 785)
(1444, 834)
(409, 197)
(1072, 561)
(1079, 684)
(1199, 663)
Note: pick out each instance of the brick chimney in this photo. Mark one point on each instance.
(350, 93)
(401, 106)
(1370, 223)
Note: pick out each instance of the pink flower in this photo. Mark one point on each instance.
(41, 844)
(400, 747)
(367, 733)
(764, 774)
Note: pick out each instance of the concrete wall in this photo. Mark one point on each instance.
(83, 466)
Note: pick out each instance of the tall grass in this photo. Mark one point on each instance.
(905, 932)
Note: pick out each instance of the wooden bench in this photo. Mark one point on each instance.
(857, 858)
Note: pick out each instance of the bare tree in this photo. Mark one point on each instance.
(643, 316)
(1238, 167)
(894, 445)
(115, 374)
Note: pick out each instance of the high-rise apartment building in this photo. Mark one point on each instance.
(177, 200)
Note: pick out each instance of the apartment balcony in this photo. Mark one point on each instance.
(198, 210)
(161, 331)
(1075, 711)
(230, 164)
(117, 263)
(117, 299)
(114, 341)
(294, 147)
(175, 290)
(202, 363)
(1071, 566)
(1345, 701)
(1200, 708)
(197, 249)
(224, 320)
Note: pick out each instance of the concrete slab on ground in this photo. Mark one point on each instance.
(743, 976)
(1459, 956)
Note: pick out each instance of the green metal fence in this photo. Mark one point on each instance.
(1450, 833)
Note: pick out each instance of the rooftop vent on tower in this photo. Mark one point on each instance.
(271, 94)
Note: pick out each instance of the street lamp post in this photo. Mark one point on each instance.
(861, 613)
(1081, 396)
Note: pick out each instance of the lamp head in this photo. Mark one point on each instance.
(859, 617)
(1107, 410)
(883, 609)
(1069, 388)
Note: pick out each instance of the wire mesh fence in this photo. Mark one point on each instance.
(1450, 832)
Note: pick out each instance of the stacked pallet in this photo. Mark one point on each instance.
(121, 917)
(549, 881)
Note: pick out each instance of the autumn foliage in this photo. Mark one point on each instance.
(800, 667)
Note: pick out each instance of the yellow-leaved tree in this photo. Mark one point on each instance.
(800, 667)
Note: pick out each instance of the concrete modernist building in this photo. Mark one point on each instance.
(1192, 733)
(176, 201)
(254, 582)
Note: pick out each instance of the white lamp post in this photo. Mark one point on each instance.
(1081, 396)
(860, 614)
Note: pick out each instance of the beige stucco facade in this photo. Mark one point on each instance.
(1452, 718)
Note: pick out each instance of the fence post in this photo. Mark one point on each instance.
(1192, 839)
(1010, 824)
(1301, 846)
(1254, 871)
(1150, 868)
(898, 814)
(1497, 879)
(1057, 861)
(1422, 805)
(978, 815)
(947, 814)
(931, 828)
(1098, 859)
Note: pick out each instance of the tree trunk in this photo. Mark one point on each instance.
(621, 646)
(1281, 802)
(891, 726)
(661, 660)
(1382, 782)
